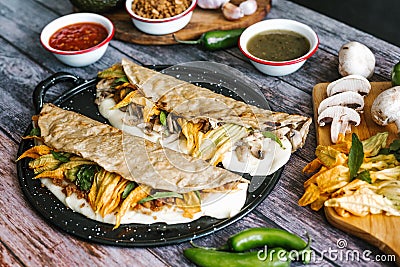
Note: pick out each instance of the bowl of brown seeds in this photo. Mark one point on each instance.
(159, 17)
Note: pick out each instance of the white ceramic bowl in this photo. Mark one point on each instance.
(278, 68)
(82, 57)
(161, 26)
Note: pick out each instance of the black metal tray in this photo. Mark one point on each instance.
(80, 98)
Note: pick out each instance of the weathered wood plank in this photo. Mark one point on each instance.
(19, 76)
(59, 7)
(7, 259)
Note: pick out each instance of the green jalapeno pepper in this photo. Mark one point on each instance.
(276, 257)
(395, 74)
(270, 237)
(215, 40)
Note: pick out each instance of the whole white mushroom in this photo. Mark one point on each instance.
(356, 58)
(386, 107)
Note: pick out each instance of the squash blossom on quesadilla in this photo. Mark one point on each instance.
(198, 122)
(113, 177)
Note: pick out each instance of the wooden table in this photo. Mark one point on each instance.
(27, 240)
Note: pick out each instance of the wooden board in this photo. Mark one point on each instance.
(379, 230)
(202, 21)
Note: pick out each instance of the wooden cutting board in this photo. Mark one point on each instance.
(202, 21)
(378, 230)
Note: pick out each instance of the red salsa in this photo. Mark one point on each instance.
(78, 36)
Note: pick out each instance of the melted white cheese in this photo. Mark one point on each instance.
(176, 144)
(275, 157)
(217, 205)
(116, 118)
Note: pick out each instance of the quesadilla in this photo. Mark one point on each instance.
(114, 177)
(197, 121)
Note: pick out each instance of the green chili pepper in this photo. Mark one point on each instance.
(215, 40)
(395, 74)
(270, 237)
(275, 257)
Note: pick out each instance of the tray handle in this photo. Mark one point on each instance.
(40, 90)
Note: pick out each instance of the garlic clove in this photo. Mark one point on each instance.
(248, 7)
(231, 12)
(211, 4)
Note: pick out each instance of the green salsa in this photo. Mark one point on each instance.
(278, 45)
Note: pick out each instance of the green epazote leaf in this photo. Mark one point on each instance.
(62, 157)
(364, 176)
(129, 187)
(394, 148)
(273, 137)
(158, 195)
(356, 156)
(85, 175)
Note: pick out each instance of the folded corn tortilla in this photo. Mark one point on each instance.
(193, 102)
(132, 157)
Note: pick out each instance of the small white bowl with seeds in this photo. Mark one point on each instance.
(160, 17)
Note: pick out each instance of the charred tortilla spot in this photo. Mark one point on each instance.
(246, 115)
(272, 123)
(162, 104)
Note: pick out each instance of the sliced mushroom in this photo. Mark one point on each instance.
(241, 151)
(296, 138)
(354, 83)
(386, 107)
(257, 151)
(157, 126)
(147, 127)
(170, 123)
(347, 99)
(341, 119)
